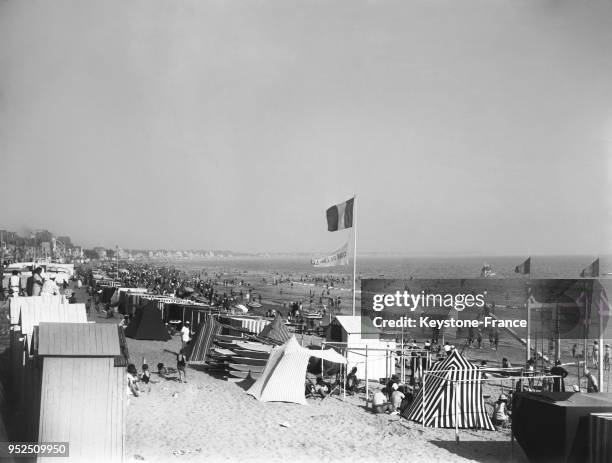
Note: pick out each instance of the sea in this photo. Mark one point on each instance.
(406, 267)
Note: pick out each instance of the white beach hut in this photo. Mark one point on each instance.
(361, 340)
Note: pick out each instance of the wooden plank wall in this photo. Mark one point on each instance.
(83, 402)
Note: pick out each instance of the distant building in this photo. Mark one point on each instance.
(46, 248)
(101, 252)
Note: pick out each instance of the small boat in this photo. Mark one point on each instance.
(214, 366)
(227, 338)
(251, 368)
(223, 352)
(243, 374)
(249, 361)
(254, 305)
(258, 346)
(254, 354)
(225, 345)
(218, 357)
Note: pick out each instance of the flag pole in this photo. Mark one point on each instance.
(528, 346)
(600, 374)
(354, 249)
(528, 337)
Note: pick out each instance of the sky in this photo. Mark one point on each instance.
(472, 127)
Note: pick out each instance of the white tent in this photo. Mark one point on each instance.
(283, 377)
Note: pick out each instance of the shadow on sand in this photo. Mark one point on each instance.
(485, 451)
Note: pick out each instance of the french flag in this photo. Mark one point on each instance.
(340, 216)
(524, 268)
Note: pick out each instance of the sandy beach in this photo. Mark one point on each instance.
(209, 419)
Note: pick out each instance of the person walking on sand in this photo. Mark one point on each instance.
(185, 334)
(181, 362)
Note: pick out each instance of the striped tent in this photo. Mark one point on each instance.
(284, 376)
(453, 391)
(276, 331)
(204, 340)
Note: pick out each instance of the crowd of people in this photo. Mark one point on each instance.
(37, 283)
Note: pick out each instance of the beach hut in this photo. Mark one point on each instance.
(284, 375)
(451, 396)
(82, 393)
(204, 339)
(26, 313)
(147, 324)
(276, 331)
(361, 341)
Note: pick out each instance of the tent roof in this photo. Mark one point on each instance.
(353, 325)
(78, 340)
(276, 331)
(147, 324)
(452, 373)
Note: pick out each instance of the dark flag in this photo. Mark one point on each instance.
(591, 271)
(524, 268)
(340, 216)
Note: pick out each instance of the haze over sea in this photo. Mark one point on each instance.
(406, 267)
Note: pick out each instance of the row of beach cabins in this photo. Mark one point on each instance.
(64, 376)
(67, 376)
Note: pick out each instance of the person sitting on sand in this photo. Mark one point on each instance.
(321, 387)
(500, 411)
(132, 380)
(379, 403)
(124, 322)
(389, 386)
(181, 362)
(162, 371)
(397, 397)
(351, 380)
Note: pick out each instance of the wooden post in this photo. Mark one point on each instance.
(366, 372)
(456, 413)
(344, 377)
(387, 362)
(423, 403)
(322, 370)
